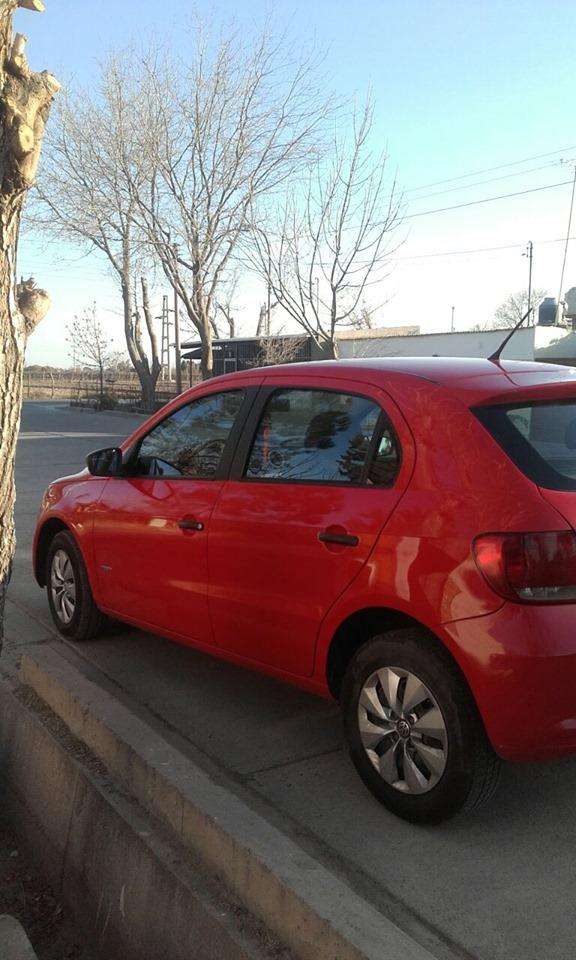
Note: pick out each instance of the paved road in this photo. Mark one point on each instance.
(498, 886)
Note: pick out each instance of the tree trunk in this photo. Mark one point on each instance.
(202, 311)
(147, 383)
(329, 348)
(25, 99)
(147, 372)
(207, 357)
(148, 389)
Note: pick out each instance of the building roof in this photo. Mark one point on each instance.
(377, 333)
(220, 341)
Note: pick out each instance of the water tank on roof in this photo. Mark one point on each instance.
(547, 312)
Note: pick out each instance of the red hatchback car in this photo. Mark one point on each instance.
(398, 534)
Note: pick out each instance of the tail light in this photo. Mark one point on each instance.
(529, 567)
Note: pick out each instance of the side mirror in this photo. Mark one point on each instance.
(105, 463)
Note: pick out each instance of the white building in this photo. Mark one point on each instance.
(524, 345)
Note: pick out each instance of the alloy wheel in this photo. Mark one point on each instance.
(402, 730)
(63, 586)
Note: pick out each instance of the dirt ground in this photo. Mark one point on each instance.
(25, 895)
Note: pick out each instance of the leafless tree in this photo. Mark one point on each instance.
(91, 172)
(93, 347)
(330, 248)
(263, 327)
(222, 134)
(363, 319)
(25, 99)
(225, 305)
(513, 309)
(279, 349)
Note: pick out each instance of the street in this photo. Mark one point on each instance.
(495, 886)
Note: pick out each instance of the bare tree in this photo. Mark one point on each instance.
(92, 346)
(279, 349)
(263, 327)
(513, 309)
(225, 305)
(92, 170)
(221, 135)
(25, 99)
(363, 320)
(328, 249)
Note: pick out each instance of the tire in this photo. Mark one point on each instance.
(423, 777)
(72, 606)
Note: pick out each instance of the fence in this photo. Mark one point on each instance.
(85, 391)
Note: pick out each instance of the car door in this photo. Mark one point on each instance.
(313, 482)
(151, 526)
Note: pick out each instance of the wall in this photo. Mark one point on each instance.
(461, 344)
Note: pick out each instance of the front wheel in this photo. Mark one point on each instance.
(413, 729)
(69, 594)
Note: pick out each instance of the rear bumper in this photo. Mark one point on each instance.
(520, 663)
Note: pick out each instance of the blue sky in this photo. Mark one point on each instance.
(459, 87)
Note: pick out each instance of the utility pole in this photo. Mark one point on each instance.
(452, 320)
(165, 359)
(177, 343)
(560, 305)
(177, 334)
(529, 253)
(268, 308)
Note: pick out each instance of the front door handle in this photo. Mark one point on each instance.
(344, 539)
(188, 523)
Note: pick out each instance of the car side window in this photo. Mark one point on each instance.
(191, 441)
(324, 436)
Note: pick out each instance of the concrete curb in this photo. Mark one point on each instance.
(136, 891)
(14, 944)
(318, 915)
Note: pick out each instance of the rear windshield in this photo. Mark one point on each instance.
(539, 437)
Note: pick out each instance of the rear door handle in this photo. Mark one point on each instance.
(344, 539)
(188, 523)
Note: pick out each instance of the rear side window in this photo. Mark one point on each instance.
(324, 437)
(539, 437)
(191, 441)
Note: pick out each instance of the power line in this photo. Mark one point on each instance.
(480, 183)
(459, 253)
(472, 203)
(501, 166)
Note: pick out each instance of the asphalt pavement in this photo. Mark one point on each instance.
(499, 885)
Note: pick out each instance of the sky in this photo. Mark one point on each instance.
(482, 91)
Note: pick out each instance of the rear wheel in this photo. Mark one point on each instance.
(413, 729)
(69, 594)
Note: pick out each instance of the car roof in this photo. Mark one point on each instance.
(473, 379)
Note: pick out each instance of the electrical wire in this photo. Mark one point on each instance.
(501, 166)
(459, 253)
(472, 203)
(480, 183)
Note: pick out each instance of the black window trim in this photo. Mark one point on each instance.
(222, 473)
(244, 447)
(529, 463)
